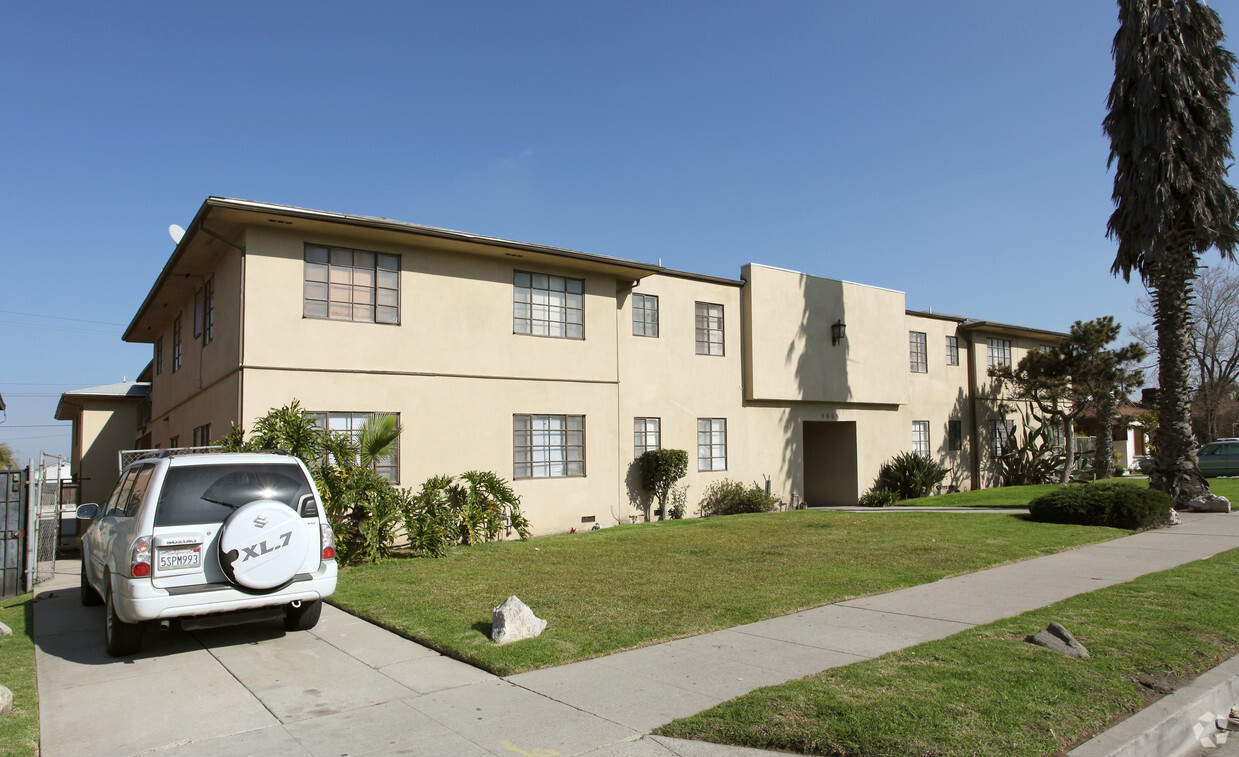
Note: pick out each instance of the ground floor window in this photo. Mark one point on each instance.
(647, 435)
(548, 446)
(351, 423)
(1002, 433)
(955, 435)
(920, 438)
(711, 444)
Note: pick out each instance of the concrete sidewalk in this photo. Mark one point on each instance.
(349, 687)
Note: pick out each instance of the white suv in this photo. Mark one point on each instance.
(209, 539)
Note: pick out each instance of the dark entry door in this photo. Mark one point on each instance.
(12, 525)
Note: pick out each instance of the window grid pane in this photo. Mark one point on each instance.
(351, 285)
(920, 438)
(647, 435)
(551, 306)
(999, 352)
(917, 352)
(351, 422)
(645, 315)
(548, 446)
(952, 350)
(709, 325)
(711, 444)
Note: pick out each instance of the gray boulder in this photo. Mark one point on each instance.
(513, 621)
(5, 630)
(1060, 640)
(6, 700)
(1209, 503)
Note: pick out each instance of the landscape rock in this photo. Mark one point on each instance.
(1209, 503)
(513, 621)
(1060, 640)
(6, 700)
(5, 630)
(1174, 519)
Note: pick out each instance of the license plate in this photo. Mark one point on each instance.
(175, 559)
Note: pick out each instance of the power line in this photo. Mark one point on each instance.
(3, 426)
(61, 318)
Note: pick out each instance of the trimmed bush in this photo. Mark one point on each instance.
(878, 498)
(910, 475)
(727, 497)
(1120, 506)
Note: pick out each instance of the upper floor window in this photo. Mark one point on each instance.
(709, 329)
(202, 435)
(952, 350)
(647, 435)
(208, 310)
(999, 352)
(159, 356)
(545, 305)
(548, 446)
(920, 438)
(644, 315)
(351, 285)
(176, 344)
(917, 352)
(711, 444)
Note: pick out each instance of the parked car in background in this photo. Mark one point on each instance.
(207, 540)
(1220, 458)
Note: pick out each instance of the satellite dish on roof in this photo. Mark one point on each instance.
(176, 232)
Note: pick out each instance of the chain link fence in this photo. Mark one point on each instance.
(45, 516)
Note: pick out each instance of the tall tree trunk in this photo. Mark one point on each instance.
(1069, 444)
(1103, 455)
(1175, 468)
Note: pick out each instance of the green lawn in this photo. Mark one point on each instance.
(19, 730)
(1020, 496)
(987, 692)
(630, 586)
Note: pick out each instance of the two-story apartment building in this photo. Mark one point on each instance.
(555, 368)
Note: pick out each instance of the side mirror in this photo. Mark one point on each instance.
(88, 511)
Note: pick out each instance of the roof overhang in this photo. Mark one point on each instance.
(221, 222)
(1006, 329)
(71, 404)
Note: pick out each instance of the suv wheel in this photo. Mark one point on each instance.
(120, 638)
(89, 595)
(303, 618)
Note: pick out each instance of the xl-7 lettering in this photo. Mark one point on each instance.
(261, 548)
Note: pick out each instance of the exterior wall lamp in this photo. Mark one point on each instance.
(837, 332)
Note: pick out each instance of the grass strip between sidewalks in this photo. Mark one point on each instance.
(19, 730)
(986, 691)
(630, 586)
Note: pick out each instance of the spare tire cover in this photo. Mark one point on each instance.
(262, 545)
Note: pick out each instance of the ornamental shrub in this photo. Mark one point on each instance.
(910, 475)
(660, 469)
(727, 497)
(1114, 505)
(878, 498)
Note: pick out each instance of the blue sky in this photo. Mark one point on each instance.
(951, 150)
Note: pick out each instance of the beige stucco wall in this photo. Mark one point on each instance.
(940, 395)
(106, 427)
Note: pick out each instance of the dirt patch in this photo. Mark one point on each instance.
(1154, 686)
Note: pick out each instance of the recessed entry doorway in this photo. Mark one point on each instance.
(829, 463)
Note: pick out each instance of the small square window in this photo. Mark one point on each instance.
(647, 435)
(920, 438)
(709, 326)
(644, 315)
(711, 444)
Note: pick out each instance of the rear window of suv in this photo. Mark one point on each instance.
(201, 494)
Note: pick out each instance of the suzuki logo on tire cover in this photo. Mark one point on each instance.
(260, 521)
(262, 548)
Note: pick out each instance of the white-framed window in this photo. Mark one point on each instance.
(545, 305)
(1001, 433)
(644, 315)
(999, 351)
(711, 444)
(646, 435)
(351, 423)
(351, 285)
(952, 350)
(920, 438)
(917, 353)
(709, 328)
(548, 446)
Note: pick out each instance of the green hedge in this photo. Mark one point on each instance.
(1103, 505)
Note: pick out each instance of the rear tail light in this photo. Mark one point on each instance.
(329, 541)
(140, 557)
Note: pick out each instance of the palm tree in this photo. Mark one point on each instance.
(378, 440)
(7, 459)
(1169, 127)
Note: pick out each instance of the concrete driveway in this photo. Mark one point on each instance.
(346, 687)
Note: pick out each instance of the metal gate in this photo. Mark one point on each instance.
(45, 524)
(12, 529)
